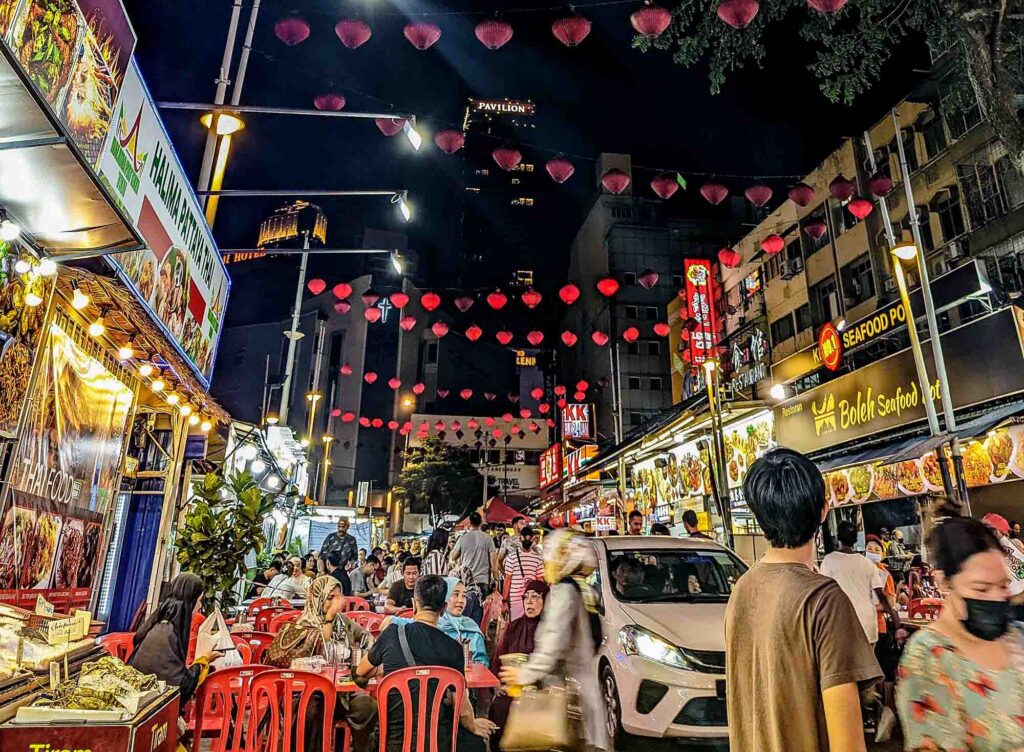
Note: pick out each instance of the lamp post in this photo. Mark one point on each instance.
(327, 465)
(718, 442)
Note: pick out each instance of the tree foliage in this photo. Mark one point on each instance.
(222, 525)
(440, 475)
(984, 37)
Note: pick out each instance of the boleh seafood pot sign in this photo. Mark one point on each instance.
(886, 393)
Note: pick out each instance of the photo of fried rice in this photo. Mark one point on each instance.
(909, 477)
(932, 472)
(977, 465)
(1000, 446)
(840, 486)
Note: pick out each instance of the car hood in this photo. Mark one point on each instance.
(698, 626)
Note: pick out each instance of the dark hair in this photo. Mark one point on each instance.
(175, 607)
(846, 532)
(659, 529)
(475, 519)
(431, 592)
(690, 518)
(438, 540)
(635, 513)
(786, 493)
(402, 556)
(411, 561)
(516, 519)
(333, 558)
(376, 549)
(287, 568)
(956, 539)
(280, 557)
(527, 532)
(275, 565)
(371, 559)
(389, 560)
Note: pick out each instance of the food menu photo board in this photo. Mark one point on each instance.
(997, 458)
(745, 441)
(65, 472)
(180, 276)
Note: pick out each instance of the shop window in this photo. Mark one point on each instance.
(636, 419)
(980, 191)
(910, 150)
(653, 347)
(803, 317)
(933, 133)
(772, 267)
(951, 217)
(655, 384)
(431, 356)
(677, 280)
(1011, 182)
(629, 278)
(782, 329)
(824, 301)
(959, 107)
(858, 281)
(622, 212)
(882, 163)
(634, 382)
(651, 313)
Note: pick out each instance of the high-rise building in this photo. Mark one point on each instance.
(287, 228)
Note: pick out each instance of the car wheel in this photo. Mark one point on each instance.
(612, 708)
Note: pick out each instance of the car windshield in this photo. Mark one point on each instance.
(652, 575)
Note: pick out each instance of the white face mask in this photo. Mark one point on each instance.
(875, 557)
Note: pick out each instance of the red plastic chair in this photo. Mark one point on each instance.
(119, 644)
(368, 620)
(263, 618)
(280, 619)
(281, 724)
(402, 681)
(406, 613)
(925, 608)
(221, 703)
(243, 647)
(259, 643)
(355, 603)
(258, 605)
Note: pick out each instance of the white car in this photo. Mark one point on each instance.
(662, 661)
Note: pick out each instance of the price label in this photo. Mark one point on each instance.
(43, 608)
(61, 631)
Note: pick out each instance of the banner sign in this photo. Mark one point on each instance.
(886, 394)
(748, 359)
(180, 277)
(576, 460)
(550, 466)
(578, 422)
(700, 305)
(76, 52)
(65, 473)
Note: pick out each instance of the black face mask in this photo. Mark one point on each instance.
(986, 620)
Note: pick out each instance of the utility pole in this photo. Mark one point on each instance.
(293, 334)
(223, 79)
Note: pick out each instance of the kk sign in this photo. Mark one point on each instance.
(830, 347)
(578, 422)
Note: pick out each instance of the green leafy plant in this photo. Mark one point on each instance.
(437, 474)
(223, 524)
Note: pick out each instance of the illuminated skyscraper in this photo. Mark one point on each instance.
(285, 229)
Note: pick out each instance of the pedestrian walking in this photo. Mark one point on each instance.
(795, 650)
(475, 549)
(522, 565)
(436, 559)
(342, 542)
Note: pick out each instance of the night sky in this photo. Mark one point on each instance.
(601, 96)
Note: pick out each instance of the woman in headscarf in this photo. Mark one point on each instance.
(569, 632)
(455, 623)
(161, 644)
(518, 637)
(474, 598)
(322, 622)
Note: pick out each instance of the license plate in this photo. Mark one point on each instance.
(720, 689)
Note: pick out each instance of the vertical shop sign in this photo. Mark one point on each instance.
(550, 466)
(700, 304)
(578, 422)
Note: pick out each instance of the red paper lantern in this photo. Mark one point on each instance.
(456, 425)
(537, 393)
(439, 328)
(408, 323)
(346, 369)
(292, 30)
(442, 393)
(364, 422)
(665, 186)
(738, 13)
(607, 286)
(316, 286)
(525, 413)
(534, 428)
(661, 329)
(504, 336)
(342, 290)
(801, 194)
(632, 334)
(507, 157)
(422, 35)
(372, 314)
(773, 244)
(473, 424)
(418, 388)
(507, 417)
(758, 195)
(399, 299)
(559, 391)
(544, 408)
(860, 207)
(430, 301)
(532, 298)
(464, 303)
(407, 426)
(473, 332)
(714, 193)
(568, 338)
(729, 257)
(615, 181)
(490, 396)
(348, 416)
(841, 188)
(579, 396)
(551, 424)
(582, 385)
(650, 20)
(497, 433)
(600, 338)
(493, 33)
(879, 184)
(369, 377)
(336, 412)
(439, 425)
(816, 230)
(466, 394)
(390, 126)
(342, 306)
(648, 278)
(392, 425)
(377, 422)
(560, 169)
(394, 382)
(330, 102)
(827, 6)
(569, 294)
(352, 32)
(513, 398)
(535, 337)
(561, 403)
(497, 300)
(449, 141)
(370, 297)
(571, 31)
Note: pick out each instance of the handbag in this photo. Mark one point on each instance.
(545, 719)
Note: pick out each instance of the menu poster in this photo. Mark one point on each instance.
(65, 473)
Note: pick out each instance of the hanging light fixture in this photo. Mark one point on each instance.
(79, 299)
(816, 230)
(772, 244)
(329, 102)
(827, 6)
(404, 207)
(665, 186)
(292, 30)
(126, 351)
(497, 300)
(650, 20)
(801, 194)
(185, 410)
(430, 301)
(97, 327)
(342, 290)
(758, 195)
(157, 385)
(841, 187)
(568, 338)
(145, 370)
(571, 30)
(729, 257)
(439, 328)
(193, 419)
(473, 332)
(9, 230)
(408, 323)
(449, 141)
(205, 426)
(504, 336)
(860, 207)
(535, 337)
(507, 158)
(615, 181)
(32, 298)
(569, 294)
(648, 278)
(464, 303)
(316, 285)
(714, 193)
(173, 398)
(607, 286)
(531, 298)
(493, 33)
(422, 35)
(738, 13)
(352, 32)
(632, 334)
(390, 126)
(46, 267)
(879, 184)
(560, 169)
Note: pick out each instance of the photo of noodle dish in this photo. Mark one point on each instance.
(885, 482)
(1000, 446)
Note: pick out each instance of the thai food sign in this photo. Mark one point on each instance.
(180, 276)
(65, 472)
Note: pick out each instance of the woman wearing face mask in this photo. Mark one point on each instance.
(961, 685)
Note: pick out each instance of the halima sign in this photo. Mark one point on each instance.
(578, 421)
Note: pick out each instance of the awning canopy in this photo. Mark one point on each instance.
(500, 513)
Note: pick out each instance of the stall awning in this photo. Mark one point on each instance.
(500, 513)
(882, 451)
(984, 423)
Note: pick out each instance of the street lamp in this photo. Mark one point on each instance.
(718, 440)
(397, 262)
(224, 125)
(402, 199)
(327, 464)
(777, 392)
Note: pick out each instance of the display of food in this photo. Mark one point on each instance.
(861, 478)
(932, 471)
(840, 486)
(909, 478)
(36, 653)
(103, 685)
(38, 560)
(69, 556)
(977, 464)
(1000, 448)
(46, 50)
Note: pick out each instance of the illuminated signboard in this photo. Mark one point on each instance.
(576, 460)
(551, 466)
(700, 304)
(503, 107)
(830, 347)
(526, 359)
(578, 422)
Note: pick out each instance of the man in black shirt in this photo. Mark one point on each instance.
(262, 578)
(400, 596)
(426, 645)
(690, 523)
(337, 571)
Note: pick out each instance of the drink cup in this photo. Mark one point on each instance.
(513, 660)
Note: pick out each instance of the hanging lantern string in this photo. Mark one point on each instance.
(469, 13)
(318, 76)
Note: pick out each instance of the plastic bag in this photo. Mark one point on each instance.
(230, 659)
(214, 635)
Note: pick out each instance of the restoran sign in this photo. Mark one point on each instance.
(180, 275)
(578, 421)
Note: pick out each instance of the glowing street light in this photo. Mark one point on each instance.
(402, 199)
(777, 392)
(905, 252)
(228, 123)
(397, 263)
(412, 134)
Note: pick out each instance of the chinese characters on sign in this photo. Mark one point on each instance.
(700, 303)
(578, 422)
(551, 466)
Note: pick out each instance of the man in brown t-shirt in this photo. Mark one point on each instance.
(795, 651)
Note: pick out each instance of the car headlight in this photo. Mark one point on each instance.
(639, 641)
